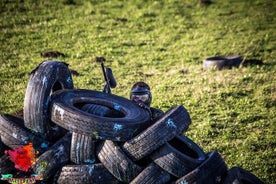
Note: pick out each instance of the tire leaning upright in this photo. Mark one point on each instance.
(47, 78)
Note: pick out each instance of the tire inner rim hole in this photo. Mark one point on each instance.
(183, 148)
(99, 110)
(57, 86)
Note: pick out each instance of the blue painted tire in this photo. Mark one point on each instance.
(86, 174)
(212, 170)
(48, 77)
(66, 111)
(174, 122)
(179, 156)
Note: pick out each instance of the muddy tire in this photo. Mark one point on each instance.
(116, 161)
(238, 175)
(179, 156)
(152, 174)
(66, 112)
(54, 158)
(173, 122)
(48, 77)
(86, 174)
(212, 170)
(82, 149)
(14, 134)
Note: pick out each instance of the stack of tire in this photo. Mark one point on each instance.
(87, 136)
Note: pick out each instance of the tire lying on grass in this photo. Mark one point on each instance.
(212, 170)
(220, 62)
(239, 175)
(66, 111)
(173, 122)
(179, 156)
(47, 78)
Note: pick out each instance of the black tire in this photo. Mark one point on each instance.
(82, 149)
(238, 175)
(116, 161)
(179, 156)
(86, 174)
(173, 122)
(152, 174)
(212, 170)
(14, 134)
(66, 112)
(220, 62)
(47, 78)
(53, 159)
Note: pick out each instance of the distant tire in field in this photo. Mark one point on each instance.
(220, 62)
(82, 149)
(238, 175)
(152, 174)
(66, 111)
(86, 174)
(116, 161)
(47, 78)
(173, 122)
(212, 170)
(54, 158)
(179, 156)
(14, 134)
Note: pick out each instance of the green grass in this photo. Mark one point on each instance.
(162, 43)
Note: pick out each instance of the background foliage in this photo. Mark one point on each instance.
(162, 43)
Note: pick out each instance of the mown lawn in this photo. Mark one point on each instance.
(162, 43)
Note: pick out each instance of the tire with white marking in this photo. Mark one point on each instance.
(14, 134)
(86, 174)
(82, 149)
(212, 170)
(173, 122)
(47, 78)
(152, 174)
(54, 158)
(179, 156)
(66, 111)
(117, 162)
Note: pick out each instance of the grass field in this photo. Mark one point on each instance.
(162, 43)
